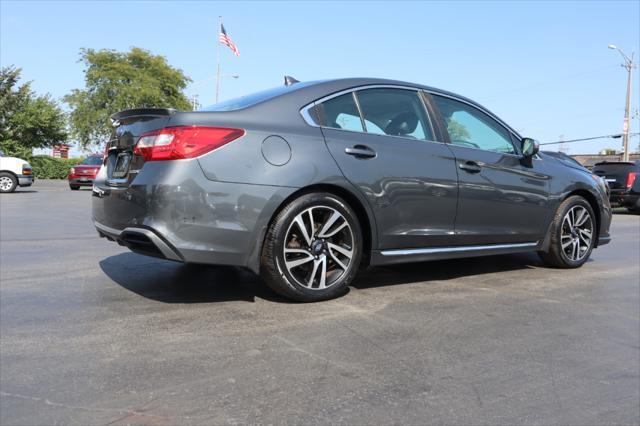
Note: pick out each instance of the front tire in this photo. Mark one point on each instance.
(8, 182)
(74, 187)
(312, 248)
(573, 234)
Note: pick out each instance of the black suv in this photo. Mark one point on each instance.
(624, 181)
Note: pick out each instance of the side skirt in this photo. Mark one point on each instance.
(386, 257)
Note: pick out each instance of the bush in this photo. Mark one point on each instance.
(45, 167)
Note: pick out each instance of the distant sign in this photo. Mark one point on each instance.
(61, 151)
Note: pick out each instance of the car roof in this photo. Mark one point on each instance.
(323, 88)
(299, 95)
(312, 91)
(305, 92)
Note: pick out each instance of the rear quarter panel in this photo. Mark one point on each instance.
(243, 160)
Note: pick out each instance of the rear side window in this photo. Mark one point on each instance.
(341, 112)
(394, 112)
(472, 128)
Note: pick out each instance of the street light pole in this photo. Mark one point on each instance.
(629, 65)
(625, 128)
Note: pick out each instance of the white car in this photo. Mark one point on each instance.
(14, 172)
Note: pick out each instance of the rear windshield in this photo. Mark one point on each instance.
(616, 167)
(92, 161)
(255, 98)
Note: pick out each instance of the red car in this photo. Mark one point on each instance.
(84, 173)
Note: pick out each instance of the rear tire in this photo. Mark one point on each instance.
(74, 187)
(573, 234)
(319, 261)
(8, 182)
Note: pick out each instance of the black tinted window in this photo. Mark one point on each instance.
(395, 112)
(341, 112)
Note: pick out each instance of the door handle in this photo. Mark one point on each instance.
(471, 167)
(360, 151)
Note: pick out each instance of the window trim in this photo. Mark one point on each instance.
(504, 125)
(306, 115)
(359, 108)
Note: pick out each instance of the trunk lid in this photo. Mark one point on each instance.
(122, 165)
(615, 173)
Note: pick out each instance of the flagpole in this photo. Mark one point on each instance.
(218, 71)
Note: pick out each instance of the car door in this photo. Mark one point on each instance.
(501, 197)
(383, 142)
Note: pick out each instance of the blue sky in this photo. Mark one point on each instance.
(543, 67)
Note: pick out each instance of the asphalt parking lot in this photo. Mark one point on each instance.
(93, 334)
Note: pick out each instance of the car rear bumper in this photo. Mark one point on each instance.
(624, 198)
(171, 210)
(140, 240)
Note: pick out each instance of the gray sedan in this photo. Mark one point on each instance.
(309, 182)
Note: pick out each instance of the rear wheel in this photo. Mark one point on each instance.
(312, 248)
(8, 182)
(573, 234)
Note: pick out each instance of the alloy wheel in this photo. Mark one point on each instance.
(319, 247)
(577, 233)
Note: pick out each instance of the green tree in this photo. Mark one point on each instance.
(457, 131)
(27, 121)
(115, 81)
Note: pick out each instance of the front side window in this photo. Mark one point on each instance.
(341, 112)
(394, 112)
(472, 128)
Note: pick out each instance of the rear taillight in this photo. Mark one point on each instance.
(630, 178)
(175, 143)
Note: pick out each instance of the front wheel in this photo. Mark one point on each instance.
(573, 234)
(8, 182)
(74, 187)
(312, 248)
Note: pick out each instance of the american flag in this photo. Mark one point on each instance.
(225, 39)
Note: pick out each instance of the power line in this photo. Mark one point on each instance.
(615, 136)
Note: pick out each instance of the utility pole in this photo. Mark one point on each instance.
(194, 102)
(629, 65)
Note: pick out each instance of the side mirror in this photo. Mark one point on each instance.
(530, 147)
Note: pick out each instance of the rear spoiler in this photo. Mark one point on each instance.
(141, 112)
